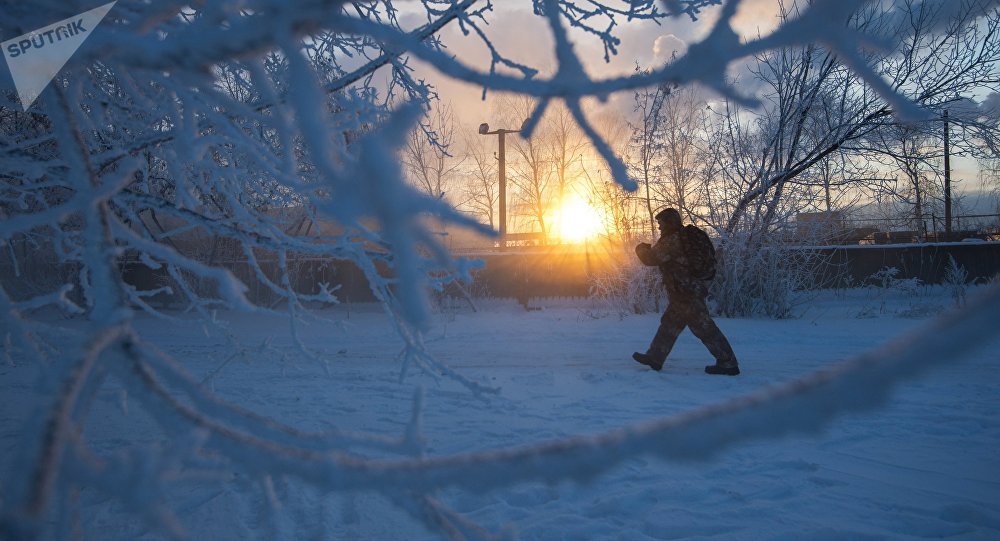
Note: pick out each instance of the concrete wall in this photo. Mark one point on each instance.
(926, 262)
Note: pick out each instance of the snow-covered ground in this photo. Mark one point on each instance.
(925, 466)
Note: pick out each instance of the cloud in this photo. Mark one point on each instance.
(756, 17)
(990, 106)
(665, 47)
(965, 107)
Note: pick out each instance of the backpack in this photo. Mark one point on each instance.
(700, 252)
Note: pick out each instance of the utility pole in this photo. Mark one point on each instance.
(484, 129)
(947, 180)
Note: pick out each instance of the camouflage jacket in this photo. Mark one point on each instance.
(668, 254)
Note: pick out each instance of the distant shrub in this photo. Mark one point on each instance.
(763, 277)
(626, 288)
(955, 280)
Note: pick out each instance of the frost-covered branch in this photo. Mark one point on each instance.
(187, 139)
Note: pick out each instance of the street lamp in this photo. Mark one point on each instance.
(484, 129)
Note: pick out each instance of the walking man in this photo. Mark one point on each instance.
(686, 259)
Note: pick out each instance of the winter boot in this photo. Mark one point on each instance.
(648, 360)
(723, 368)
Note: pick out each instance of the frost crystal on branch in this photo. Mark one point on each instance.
(219, 145)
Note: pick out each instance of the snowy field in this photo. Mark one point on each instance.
(925, 466)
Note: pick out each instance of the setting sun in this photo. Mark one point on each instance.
(577, 221)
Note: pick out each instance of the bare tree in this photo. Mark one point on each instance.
(482, 193)
(619, 210)
(914, 150)
(989, 178)
(816, 106)
(532, 171)
(646, 147)
(566, 145)
(139, 124)
(428, 157)
(679, 133)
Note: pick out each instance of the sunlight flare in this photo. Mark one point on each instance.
(577, 221)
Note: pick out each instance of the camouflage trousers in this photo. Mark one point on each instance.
(691, 312)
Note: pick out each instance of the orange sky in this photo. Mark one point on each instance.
(525, 38)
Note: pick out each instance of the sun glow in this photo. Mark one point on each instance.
(577, 221)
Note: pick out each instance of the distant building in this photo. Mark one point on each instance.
(830, 228)
(833, 219)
